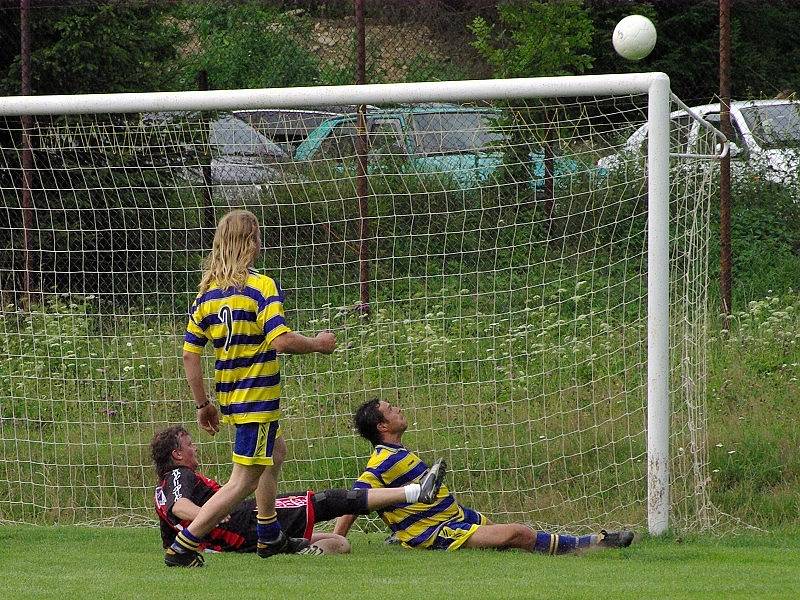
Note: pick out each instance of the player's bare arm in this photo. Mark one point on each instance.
(296, 343)
(343, 525)
(207, 414)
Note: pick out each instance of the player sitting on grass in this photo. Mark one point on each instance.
(182, 490)
(446, 525)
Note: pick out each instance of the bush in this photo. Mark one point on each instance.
(765, 237)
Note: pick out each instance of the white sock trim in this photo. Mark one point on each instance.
(412, 492)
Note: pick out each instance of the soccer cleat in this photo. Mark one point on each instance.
(431, 482)
(615, 539)
(282, 545)
(185, 559)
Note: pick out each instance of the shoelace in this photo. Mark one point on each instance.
(311, 551)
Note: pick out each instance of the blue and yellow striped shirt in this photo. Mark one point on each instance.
(241, 325)
(414, 524)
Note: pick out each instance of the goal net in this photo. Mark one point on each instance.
(480, 250)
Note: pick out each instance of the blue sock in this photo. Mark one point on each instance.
(554, 543)
(268, 528)
(185, 542)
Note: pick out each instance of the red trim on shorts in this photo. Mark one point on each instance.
(311, 518)
(231, 539)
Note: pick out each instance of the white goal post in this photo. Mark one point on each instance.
(540, 264)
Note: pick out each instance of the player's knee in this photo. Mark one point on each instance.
(245, 487)
(243, 482)
(524, 536)
(279, 452)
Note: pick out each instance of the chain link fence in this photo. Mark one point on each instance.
(91, 46)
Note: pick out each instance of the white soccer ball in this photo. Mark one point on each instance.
(634, 37)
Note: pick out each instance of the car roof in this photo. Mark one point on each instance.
(416, 109)
(275, 122)
(400, 111)
(738, 104)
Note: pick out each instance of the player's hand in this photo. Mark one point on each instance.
(326, 342)
(208, 418)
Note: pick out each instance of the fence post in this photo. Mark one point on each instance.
(725, 164)
(208, 220)
(361, 164)
(27, 152)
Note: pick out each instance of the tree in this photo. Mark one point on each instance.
(93, 49)
(537, 38)
(765, 55)
(249, 45)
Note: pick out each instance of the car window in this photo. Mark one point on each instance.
(774, 125)
(286, 127)
(339, 143)
(454, 132)
(708, 141)
(679, 130)
(385, 137)
(232, 136)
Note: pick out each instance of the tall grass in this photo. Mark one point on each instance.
(520, 359)
(754, 404)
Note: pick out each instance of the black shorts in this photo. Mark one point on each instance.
(298, 517)
(326, 505)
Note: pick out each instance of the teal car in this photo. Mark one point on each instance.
(462, 144)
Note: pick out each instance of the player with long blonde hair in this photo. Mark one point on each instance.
(241, 313)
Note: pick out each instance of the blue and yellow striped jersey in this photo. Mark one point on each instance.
(241, 325)
(414, 524)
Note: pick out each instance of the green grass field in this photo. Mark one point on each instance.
(73, 562)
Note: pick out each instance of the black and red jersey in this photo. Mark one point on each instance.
(238, 532)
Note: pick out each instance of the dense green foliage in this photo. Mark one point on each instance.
(88, 49)
(766, 241)
(123, 193)
(535, 39)
(249, 45)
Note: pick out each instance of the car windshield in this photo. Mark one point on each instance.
(774, 125)
(454, 132)
(230, 135)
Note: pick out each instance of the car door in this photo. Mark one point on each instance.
(708, 143)
(386, 139)
(457, 145)
(242, 155)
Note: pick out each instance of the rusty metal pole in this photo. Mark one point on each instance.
(361, 163)
(27, 153)
(208, 219)
(725, 165)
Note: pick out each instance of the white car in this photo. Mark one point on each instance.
(765, 140)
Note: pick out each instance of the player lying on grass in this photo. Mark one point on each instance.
(444, 525)
(182, 490)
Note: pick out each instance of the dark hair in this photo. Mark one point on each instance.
(162, 445)
(366, 419)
